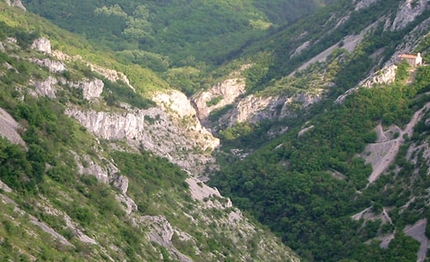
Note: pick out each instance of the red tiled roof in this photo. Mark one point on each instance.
(407, 56)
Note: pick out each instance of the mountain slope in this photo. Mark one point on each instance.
(106, 190)
(340, 175)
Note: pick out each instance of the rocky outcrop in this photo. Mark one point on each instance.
(5, 187)
(42, 225)
(161, 232)
(387, 75)
(46, 87)
(53, 66)
(208, 196)
(90, 88)
(16, 3)
(361, 4)
(42, 45)
(106, 174)
(407, 13)
(300, 49)
(87, 166)
(154, 130)
(226, 92)
(175, 101)
(257, 108)
(9, 128)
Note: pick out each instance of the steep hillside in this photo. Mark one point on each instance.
(322, 131)
(316, 58)
(349, 182)
(183, 31)
(325, 138)
(98, 160)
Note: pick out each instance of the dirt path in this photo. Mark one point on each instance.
(386, 160)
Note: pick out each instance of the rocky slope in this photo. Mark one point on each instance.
(138, 206)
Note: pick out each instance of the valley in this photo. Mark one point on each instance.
(222, 131)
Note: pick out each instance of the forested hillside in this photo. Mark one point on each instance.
(301, 112)
(307, 185)
(68, 193)
(186, 32)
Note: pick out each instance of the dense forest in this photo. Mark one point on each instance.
(290, 183)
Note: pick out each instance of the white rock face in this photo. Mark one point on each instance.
(386, 75)
(255, 108)
(46, 87)
(300, 49)
(153, 130)
(90, 88)
(407, 13)
(176, 101)
(87, 166)
(121, 182)
(5, 187)
(205, 194)
(42, 45)
(360, 4)
(248, 108)
(53, 66)
(16, 3)
(110, 74)
(227, 90)
(130, 205)
(9, 128)
(161, 232)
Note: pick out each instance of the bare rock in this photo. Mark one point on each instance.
(121, 182)
(226, 92)
(300, 49)
(361, 4)
(210, 197)
(130, 205)
(91, 88)
(5, 187)
(53, 66)
(305, 130)
(42, 45)
(176, 101)
(418, 232)
(407, 13)
(46, 87)
(87, 166)
(110, 74)
(154, 130)
(386, 75)
(16, 3)
(9, 128)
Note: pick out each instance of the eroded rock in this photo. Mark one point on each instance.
(9, 128)
(42, 45)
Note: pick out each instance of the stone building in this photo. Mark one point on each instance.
(413, 60)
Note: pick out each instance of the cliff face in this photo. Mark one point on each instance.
(154, 130)
(231, 94)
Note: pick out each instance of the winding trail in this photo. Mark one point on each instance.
(394, 145)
